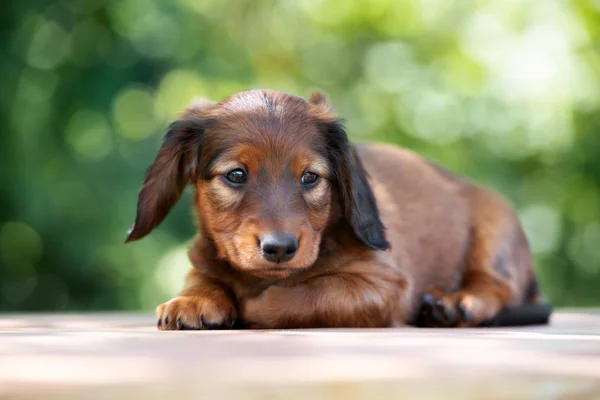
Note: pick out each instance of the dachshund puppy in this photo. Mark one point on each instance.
(302, 229)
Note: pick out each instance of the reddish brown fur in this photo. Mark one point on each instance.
(448, 237)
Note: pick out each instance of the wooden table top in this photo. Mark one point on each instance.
(58, 356)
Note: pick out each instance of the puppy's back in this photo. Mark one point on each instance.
(426, 211)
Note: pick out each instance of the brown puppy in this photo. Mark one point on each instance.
(302, 229)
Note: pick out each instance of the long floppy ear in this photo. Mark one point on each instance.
(358, 201)
(173, 168)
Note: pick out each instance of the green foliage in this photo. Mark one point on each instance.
(505, 92)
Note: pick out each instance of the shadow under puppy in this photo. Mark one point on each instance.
(302, 229)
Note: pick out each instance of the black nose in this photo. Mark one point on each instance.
(279, 246)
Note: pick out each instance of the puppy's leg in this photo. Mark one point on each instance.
(497, 267)
(201, 305)
(333, 300)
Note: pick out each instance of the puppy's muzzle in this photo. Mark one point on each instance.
(278, 247)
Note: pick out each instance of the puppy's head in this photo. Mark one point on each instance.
(271, 172)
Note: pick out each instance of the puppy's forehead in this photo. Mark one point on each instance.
(271, 128)
(263, 112)
(264, 102)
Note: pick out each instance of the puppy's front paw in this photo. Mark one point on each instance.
(191, 312)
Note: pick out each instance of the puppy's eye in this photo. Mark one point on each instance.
(237, 176)
(309, 178)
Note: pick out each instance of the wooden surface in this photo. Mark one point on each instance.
(124, 356)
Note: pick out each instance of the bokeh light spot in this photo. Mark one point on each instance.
(37, 86)
(19, 241)
(389, 66)
(83, 6)
(152, 31)
(48, 46)
(171, 270)
(583, 248)
(203, 7)
(89, 42)
(329, 13)
(175, 92)
(157, 37)
(543, 227)
(438, 117)
(89, 134)
(133, 113)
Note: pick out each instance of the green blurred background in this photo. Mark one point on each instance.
(504, 91)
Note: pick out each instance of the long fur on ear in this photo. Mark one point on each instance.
(358, 201)
(173, 168)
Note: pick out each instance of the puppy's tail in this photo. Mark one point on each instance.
(527, 314)
(535, 311)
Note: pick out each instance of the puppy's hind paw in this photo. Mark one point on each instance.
(438, 311)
